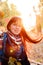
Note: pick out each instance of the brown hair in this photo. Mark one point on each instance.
(13, 20)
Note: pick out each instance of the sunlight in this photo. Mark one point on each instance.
(25, 7)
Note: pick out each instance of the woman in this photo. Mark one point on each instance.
(13, 44)
(18, 36)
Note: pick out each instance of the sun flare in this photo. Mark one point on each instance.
(25, 7)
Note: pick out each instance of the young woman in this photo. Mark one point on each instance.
(12, 43)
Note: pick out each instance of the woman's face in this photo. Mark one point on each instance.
(15, 28)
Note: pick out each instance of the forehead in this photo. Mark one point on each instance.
(16, 21)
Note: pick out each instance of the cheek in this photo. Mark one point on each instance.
(12, 29)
